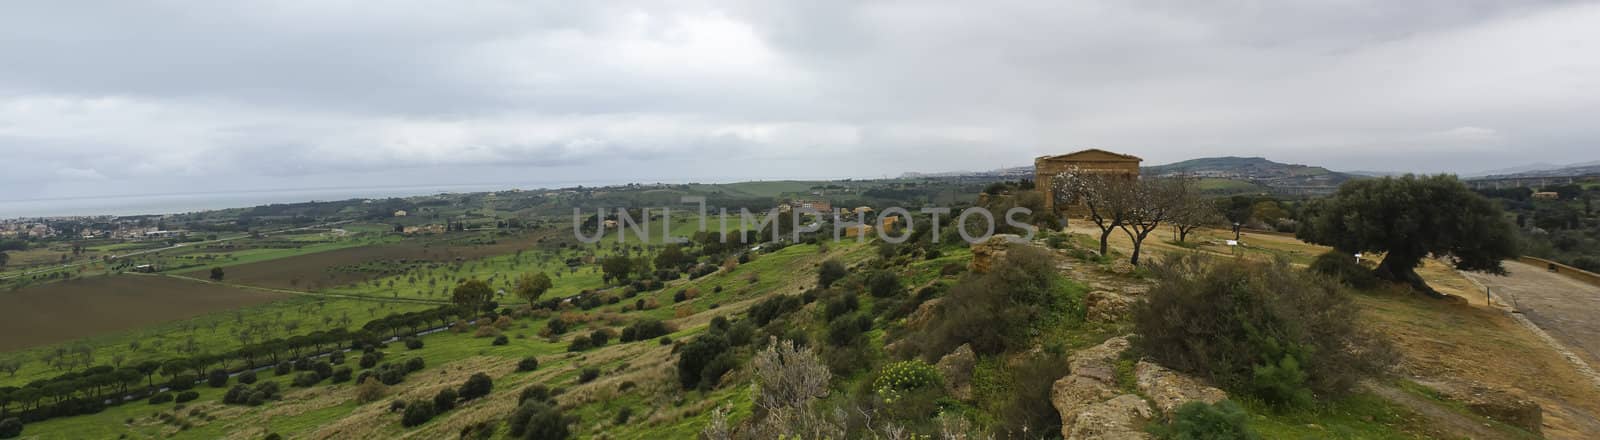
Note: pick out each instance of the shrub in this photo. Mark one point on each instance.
(273, 436)
(539, 420)
(1344, 268)
(680, 296)
(694, 356)
(909, 389)
(883, 284)
(774, 307)
(337, 358)
(11, 427)
(217, 379)
(529, 363)
(323, 369)
(599, 338)
(741, 333)
(535, 392)
(846, 330)
(501, 340)
(622, 416)
(186, 396)
(370, 391)
(579, 344)
(711, 375)
(644, 329)
(247, 377)
(341, 375)
(829, 272)
(445, 400)
(1259, 328)
(417, 413)
(306, 379)
(413, 343)
(415, 364)
(997, 310)
(391, 374)
(478, 385)
(283, 369)
(160, 398)
(370, 359)
(1201, 421)
(589, 375)
(665, 340)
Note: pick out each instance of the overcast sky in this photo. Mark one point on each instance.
(127, 97)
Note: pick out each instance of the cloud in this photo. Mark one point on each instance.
(182, 94)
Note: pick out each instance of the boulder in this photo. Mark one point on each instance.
(1119, 418)
(1121, 267)
(1170, 389)
(984, 254)
(924, 313)
(956, 368)
(1107, 306)
(1092, 380)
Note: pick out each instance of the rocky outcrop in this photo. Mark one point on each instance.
(985, 254)
(956, 368)
(1089, 396)
(1107, 306)
(1119, 418)
(1121, 267)
(1170, 389)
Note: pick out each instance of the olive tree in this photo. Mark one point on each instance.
(1409, 218)
(1108, 197)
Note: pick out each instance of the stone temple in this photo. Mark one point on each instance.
(1092, 160)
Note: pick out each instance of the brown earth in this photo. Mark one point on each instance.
(63, 311)
(317, 271)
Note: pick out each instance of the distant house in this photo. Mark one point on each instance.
(819, 205)
(1547, 195)
(400, 213)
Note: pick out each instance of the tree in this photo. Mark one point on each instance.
(830, 271)
(616, 267)
(671, 256)
(1108, 197)
(4, 257)
(216, 274)
(11, 366)
(472, 295)
(1410, 218)
(532, 286)
(1195, 211)
(1154, 201)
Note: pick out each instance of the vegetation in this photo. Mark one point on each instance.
(1410, 218)
(1261, 329)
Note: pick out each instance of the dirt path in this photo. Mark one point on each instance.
(1442, 419)
(1563, 307)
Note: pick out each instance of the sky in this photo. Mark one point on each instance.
(111, 98)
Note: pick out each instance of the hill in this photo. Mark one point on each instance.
(1278, 177)
(1581, 169)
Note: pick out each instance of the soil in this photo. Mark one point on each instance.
(68, 310)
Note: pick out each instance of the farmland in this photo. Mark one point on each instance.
(86, 307)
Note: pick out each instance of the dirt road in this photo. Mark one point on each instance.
(1565, 308)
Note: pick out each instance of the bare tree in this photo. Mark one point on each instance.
(1154, 201)
(1195, 211)
(789, 381)
(1108, 197)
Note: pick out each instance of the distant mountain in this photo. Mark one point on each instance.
(1516, 169)
(1581, 169)
(1280, 177)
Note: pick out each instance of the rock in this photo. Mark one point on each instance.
(986, 253)
(1170, 389)
(1107, 306)
(924, 313)
(956, 368)
(1121, 267)
(1092, 380)
(1118, 418)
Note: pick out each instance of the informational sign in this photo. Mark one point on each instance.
(1233, 242)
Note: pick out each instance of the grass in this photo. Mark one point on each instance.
(1359, 416)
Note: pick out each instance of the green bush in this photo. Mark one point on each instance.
(829, 272)
(588, 375)
(539, 420)
(998, 311)
(415, 364)
(186, 396)
(248, 377)
(501, 340)
(1264, 329)
(445, 400)
(883, 284)
(1343, 267)
(160, 398)
(711, 375)
(529, 363)
(694, 356)
(535, 392)
(11, 427)
(1202, 421)
(306, 379)
(413, 343)
(478, 385)
(644, 329)
(217, 379)
(904, 376)
(341, 374)
(417, 413)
